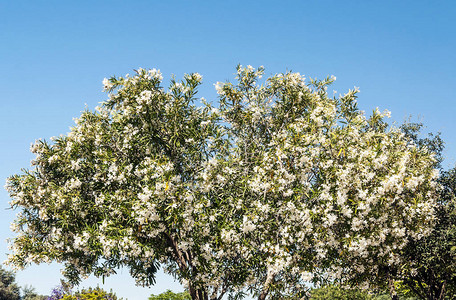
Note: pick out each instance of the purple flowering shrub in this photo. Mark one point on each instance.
(57, 293)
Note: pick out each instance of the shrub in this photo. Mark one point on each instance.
(85, 294)
(169, 295)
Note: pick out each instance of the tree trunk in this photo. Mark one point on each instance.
(392, 289)
(442, 291)
(184, 265)
(197, 294)
(263, 295)
(192, 292)
(265, 290)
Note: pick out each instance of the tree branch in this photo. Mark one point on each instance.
(266, 285)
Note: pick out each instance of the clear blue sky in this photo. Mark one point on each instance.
(54, 55)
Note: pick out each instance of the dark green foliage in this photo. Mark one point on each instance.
(8, 288)
(334, 292)
(337, 293)
(431, 272)
(434, 257)
(433, 142)
(169, 295)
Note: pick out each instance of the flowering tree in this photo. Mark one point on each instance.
(277, 186)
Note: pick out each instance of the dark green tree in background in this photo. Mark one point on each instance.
(433, 259)
(336, 293)
(169, 295)
(9, 290)
(431, 272)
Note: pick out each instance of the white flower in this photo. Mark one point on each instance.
(75, 165)
(145, 97)
(154, 74)
(107, 84)
(330, 219)
(75, 183)
(288, 193)
(247, 225)
(219, 87)
(198, 77)
(387, 113)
